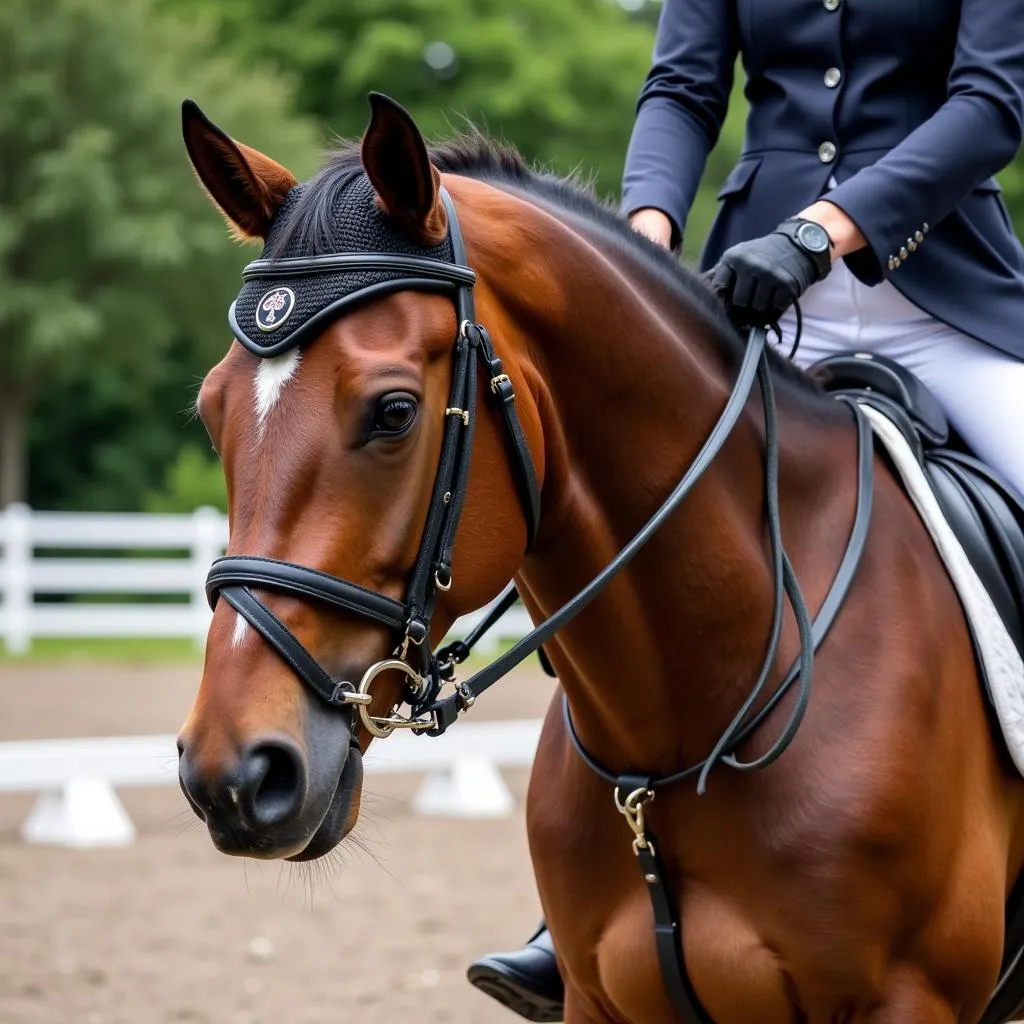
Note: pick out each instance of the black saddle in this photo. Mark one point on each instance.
(987, 516)
(984, 511)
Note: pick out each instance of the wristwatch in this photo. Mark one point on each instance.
(812, 238)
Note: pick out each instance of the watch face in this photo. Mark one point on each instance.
(813, 237)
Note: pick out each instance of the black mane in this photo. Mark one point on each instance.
(474, 155)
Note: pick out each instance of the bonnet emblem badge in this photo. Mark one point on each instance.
(274, 308)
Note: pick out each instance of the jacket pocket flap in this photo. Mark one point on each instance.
(740, 176)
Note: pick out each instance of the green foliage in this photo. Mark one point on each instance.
(192, 480)
(111, 260)
(558, 79)
(115, 271)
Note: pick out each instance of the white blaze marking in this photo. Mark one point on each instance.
(241, 629)
(271, 377)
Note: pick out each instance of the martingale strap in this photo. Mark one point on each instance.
(744, 724)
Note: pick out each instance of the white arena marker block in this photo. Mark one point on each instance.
(83, 813)
(471, 787)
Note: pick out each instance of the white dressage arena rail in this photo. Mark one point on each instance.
(77, 778)
(42, 555)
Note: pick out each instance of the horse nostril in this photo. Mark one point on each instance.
(273, 782)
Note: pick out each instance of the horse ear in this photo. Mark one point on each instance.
(245, 185)
(396, 161)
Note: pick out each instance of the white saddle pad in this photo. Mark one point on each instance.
(998, 653)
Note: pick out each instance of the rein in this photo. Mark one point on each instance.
(233, 576)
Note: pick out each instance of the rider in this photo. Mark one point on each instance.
(881, 123)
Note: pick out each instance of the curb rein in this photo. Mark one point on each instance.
(233, 576)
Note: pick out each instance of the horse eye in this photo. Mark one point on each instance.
(394, 415)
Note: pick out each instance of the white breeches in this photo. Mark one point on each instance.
(980, 388)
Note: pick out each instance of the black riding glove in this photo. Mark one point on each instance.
(760, 279)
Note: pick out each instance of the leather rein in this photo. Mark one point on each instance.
(233, 577)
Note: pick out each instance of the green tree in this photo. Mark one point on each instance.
(108, 250)
(558, 79)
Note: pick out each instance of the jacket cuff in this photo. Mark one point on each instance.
(887, 245)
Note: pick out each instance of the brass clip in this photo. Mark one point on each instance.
(496, 382)
(632, 809)
(459, 412)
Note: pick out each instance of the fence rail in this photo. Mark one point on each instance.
(38, 561)
(77, 779)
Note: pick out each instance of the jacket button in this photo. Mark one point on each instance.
(911, 244)
(903, 252)
(894, 262)
(924, 227)
(918, 237)
(827, 152)
(832, 77)
(831, 5)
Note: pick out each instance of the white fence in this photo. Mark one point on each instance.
(77, 778)
(54, 553)
(27, 572)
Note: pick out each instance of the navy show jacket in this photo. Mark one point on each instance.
(911, 105)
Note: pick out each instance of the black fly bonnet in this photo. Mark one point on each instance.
(308, 278)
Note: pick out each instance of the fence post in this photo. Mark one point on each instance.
(16, 531)
(206, 546)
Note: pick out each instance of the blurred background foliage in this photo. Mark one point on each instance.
(115, 274)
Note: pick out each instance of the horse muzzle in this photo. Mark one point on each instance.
(269, 796)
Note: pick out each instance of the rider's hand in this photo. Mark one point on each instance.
(654, 224)
(760, 279)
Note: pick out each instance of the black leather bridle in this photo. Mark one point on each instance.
(233, 576)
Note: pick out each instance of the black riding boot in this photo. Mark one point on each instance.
(526, 980)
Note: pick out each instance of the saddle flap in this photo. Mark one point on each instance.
(999, 517)
(865, 371)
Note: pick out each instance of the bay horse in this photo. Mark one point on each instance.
(863, 876)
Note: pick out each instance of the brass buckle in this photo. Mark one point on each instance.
(632, 809)
(462, 413)
(383, 726)
(496, 382)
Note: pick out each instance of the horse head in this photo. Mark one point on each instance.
(332, 413)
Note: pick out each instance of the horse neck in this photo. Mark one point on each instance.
(628, 381)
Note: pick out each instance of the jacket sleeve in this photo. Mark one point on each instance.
(682, 107)
(974, 134)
